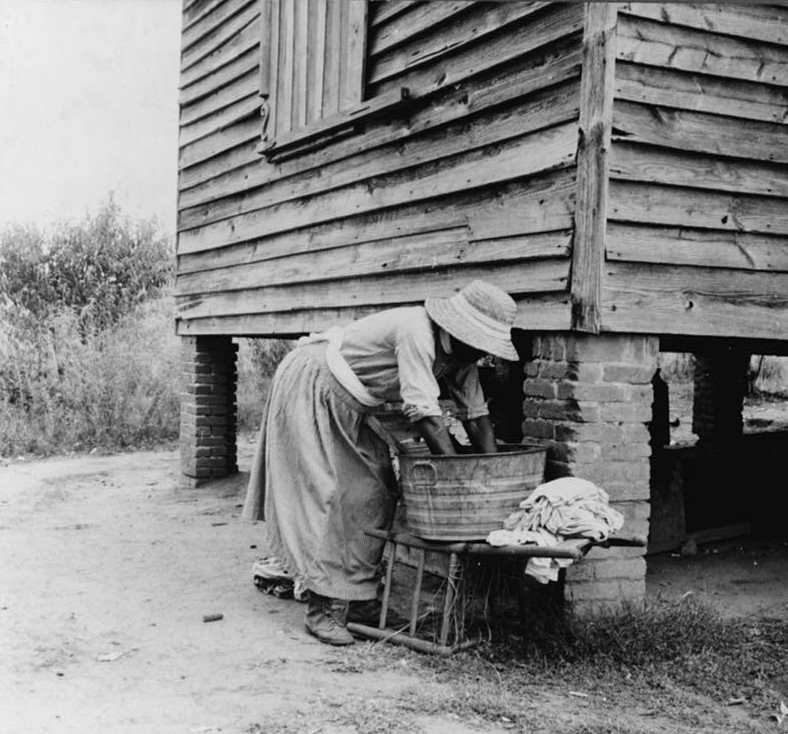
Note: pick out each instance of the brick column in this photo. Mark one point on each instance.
(588, 398)
(208, 409)
(720, 383)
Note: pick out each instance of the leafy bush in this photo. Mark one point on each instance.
(88, 355)
(102, 267)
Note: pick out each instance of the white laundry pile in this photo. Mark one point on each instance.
(563, 508)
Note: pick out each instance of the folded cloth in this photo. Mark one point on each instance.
(569, 507)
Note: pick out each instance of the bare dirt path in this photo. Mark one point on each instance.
(107, 571)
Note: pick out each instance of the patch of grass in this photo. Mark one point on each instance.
(68, 389)
(662, 666)
(358, 715)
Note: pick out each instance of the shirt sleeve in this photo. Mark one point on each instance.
(465, 388)
(419, 390)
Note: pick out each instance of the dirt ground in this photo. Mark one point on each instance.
(108, 569)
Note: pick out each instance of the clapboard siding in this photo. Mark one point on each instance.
(449, 63)
(541, 151)
(695, 301)
(634, 162)
(245, 39)
(553, 310)
(757, 21)
(533, 73)
(479, 177)
(541, 111)
(697, 234)
(477, 180)
(651, 43)
(382, 290)
(545, 204)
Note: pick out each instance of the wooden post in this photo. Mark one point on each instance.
(596, 112)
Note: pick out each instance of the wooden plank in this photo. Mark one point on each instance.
(655, 44)
(700, 93)
(219, 14)
(355, 46)
(669, 205)
(700, 133)
(204, 173)
(220, 120)
(419, 20)
(219, 142)
(560, 65)
(541, 204)
(394, 255)
(690, 301)
(221, 98)
(547, 312)
(596, 103)
(633, 162)
(454, 37)
(243, 62)
(695, 247)
(213, 42)
(494, 55)
(194, 12)
(541, 276)
(247, 39)
(383, 11)
(554, 107)
(757, 21)
(542, 151)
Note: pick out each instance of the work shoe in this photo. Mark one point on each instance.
(368, 613)
(325, 619)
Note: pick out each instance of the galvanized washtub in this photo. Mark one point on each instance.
(465, 496)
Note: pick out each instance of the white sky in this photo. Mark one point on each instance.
(88, 104)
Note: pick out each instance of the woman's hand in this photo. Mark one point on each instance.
(480, 433)
(435, 434)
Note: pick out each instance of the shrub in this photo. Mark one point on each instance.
(101, 267)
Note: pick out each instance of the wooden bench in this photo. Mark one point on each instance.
(574, 549)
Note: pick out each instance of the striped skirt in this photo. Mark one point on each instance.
(321, 477)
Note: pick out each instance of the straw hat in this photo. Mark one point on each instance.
(481, 315)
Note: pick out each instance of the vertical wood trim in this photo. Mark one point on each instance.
(269, 132)
(332, 66)
(300, 60)
(353, 88)
(266, 41)
(319, 57)
(285, 91)
(596, 111)
(341, 50)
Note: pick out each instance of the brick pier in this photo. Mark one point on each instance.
(208, 409)
(589, 398)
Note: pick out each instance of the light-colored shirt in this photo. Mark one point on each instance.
(396, 356)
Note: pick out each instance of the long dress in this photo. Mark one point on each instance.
(322, 475)
(327, 477)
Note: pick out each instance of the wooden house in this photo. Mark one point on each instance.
(620, 168)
